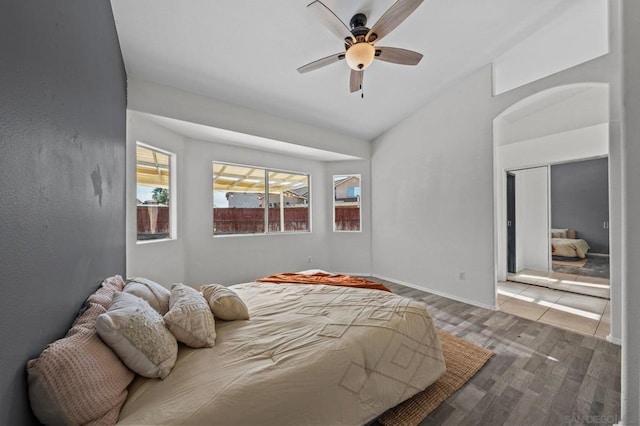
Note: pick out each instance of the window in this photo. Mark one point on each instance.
(252, 200)
(153, 193)
(346, 203)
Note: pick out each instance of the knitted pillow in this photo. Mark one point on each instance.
(190, 318)
(78, 379)
(107, 289)
(136, 332)
(156, 295)
(224, 302)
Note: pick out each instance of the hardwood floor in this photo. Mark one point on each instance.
(540, 374)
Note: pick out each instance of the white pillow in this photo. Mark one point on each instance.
(225, 303)
(136, 332)
(558, 233)
(156, 295)
(313, 271)
(189, 317)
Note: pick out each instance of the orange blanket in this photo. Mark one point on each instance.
(322, 278)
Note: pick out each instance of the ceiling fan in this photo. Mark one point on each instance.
(359, 41)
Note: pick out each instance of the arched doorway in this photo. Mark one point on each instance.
(541, 133)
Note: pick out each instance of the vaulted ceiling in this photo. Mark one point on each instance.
(247, 52)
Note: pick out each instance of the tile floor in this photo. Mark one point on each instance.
(589, 286)
(583, 314)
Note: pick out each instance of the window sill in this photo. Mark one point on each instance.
(159, 240)
(262, 234)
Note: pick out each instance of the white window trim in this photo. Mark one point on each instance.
(266, 204)
(333, 202)
(173, 185)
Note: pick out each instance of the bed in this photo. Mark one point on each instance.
(567, 247)
(309, 354)
(565, 244)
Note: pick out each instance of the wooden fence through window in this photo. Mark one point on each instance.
(250, 220)
(145, 216)
(244, 220)
(347, 218)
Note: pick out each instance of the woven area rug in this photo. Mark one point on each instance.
(463, 361)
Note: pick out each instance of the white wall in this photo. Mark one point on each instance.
(630, 397)
(557, 110)
(161, 261)
(196, 257)
(532, 218)
(588, 142)
(234, 259)
(432, 196)
(578, 34)
(165, 101)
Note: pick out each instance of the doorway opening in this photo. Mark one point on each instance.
(552, 129)
(568, 248)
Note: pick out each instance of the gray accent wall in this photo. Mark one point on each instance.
(62, 183)
(580, 201)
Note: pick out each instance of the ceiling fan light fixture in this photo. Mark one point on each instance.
(360, 56)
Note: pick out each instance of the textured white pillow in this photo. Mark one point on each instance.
(189, 317)
(225, 303)
(156, 295)
(136, 332)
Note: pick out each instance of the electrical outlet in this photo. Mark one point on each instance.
(309, 259)
(462, 276)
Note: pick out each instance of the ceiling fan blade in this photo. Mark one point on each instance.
(330, 20)
(355, 81)
(398, 56)
(321, 63)
(393, 17)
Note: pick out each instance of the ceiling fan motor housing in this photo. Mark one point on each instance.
(358, 20)
(359, 27)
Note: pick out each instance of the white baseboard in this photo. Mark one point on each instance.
(614, 340)
(359, 274)
(438, 293)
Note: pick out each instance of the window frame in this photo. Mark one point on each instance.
(172, 187)
(333, 202)
(265, 193)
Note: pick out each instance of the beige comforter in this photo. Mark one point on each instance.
(568, 247)
(309, 355)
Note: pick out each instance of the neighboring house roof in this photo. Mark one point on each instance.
(302, 192)
(345, 180)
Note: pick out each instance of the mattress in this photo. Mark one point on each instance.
(568, 247)
(308, 355)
